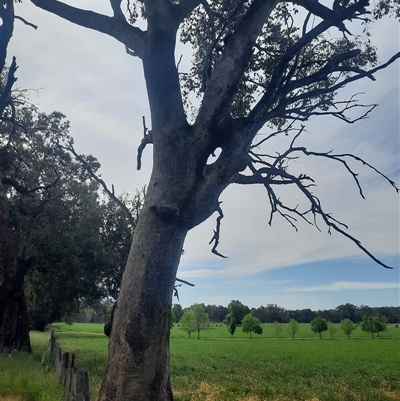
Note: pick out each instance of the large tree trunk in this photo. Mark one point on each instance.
(14, 328)
(179, 197)
(138, 362)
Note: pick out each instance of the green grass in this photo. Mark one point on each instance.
(23, 378)
(217, 368)
(264, 368)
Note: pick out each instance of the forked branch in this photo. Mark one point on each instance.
(275, 172)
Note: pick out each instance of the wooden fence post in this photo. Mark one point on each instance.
(74, 381)
(82, 385)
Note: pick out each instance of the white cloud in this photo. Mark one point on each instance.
(346, 286)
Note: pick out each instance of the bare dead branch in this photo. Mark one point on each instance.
(102, 183)
(217, 231)
(184, 282)
(119, 29)
(147, 139)
(26, 22)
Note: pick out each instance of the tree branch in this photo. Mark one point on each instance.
(185, 7)
(274, 92)
(233, 62)
(119, 29)
(26, 22)
(103, 184)
(147, 139)
(116, 7)
(184, 282)
(267, 176)
(5, 95)
(217, 230)
(6, 28)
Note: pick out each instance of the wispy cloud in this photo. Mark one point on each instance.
(346, 286)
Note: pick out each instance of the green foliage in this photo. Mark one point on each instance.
(209, 29)
(178, 312)
(238, 311)
(72, 242)
(22, 377)
(319, 325)
(373, 324)
(201, 318)
(250, 324)
(347, 326)
(380, 324)
(231, 323)
(188, 322)
(172, 319)
(292, 327)
(278, 328)
(332, 329)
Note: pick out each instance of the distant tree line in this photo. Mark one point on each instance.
(196, 319)
(273, 313)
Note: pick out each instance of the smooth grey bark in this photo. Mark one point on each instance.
(138, 362)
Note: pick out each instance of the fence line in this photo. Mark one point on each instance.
(74, 381)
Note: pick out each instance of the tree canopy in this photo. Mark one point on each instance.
(319, 325)
(251, 324)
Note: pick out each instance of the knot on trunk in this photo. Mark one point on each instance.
(166, 213)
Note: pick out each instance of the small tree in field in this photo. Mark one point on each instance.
(251, 323)
(319, 325)
(380, 323)
(201, 318)
(347, 326)
(367, 324)
(188, 322)
(231, 325)
(278, 328)
(373, 324)
(293, 327)
(332, 329)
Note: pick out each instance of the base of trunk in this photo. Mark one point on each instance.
(14, 326)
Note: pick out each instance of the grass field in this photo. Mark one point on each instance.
(217, 368)
(264, 368)
(22, 378)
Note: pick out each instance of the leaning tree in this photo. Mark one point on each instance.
(257, 64)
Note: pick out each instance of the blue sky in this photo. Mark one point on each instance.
(90, 78)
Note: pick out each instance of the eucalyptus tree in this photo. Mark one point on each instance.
(53, 222)
(30, 167)
(257, 65)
